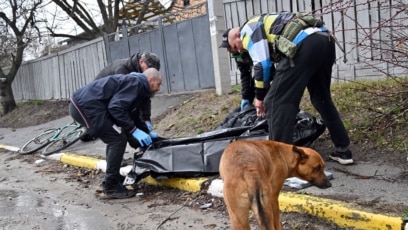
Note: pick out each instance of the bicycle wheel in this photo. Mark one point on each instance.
(37, 142)
(63, 142)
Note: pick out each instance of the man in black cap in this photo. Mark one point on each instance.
(136, 63)
(303, 51)
(244, 64)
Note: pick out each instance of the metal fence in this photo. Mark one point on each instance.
(372, 33)
(57, 76)
(184, 49)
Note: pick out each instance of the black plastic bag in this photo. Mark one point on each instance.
(199, 155)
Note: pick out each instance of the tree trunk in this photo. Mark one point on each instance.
(7, 101)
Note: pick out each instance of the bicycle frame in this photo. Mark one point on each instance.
(65, 130)
(66, 136)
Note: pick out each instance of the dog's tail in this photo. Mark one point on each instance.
(263, 219)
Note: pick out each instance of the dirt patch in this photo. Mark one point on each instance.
(31, 113)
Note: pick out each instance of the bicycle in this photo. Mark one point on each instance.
(54, 140)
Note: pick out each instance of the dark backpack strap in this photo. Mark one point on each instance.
(280, 22)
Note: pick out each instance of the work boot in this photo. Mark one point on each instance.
(117, 191)
(120, 178)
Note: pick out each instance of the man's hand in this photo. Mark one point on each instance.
(150, 128)
(153, 135)
(149, 125)
(244, 102)
(143, 138)
(260, 110)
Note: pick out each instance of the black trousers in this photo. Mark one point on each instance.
(115, 148)
(312, 69)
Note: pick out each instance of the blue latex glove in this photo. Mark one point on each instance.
(153, 135)
(149, 126)
(143, 138)
(244, 102)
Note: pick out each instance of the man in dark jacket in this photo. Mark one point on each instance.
(104, 106)
(244, 63)
(136, 63)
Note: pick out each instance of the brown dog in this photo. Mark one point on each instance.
(254, 172)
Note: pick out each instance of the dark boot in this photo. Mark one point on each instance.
(116, 190)
(120, 178)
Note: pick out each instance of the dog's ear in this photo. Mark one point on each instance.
(301, 153)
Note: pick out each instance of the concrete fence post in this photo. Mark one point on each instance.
(220, 55)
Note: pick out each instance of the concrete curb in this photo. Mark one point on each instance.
(340, 213)
(11, 148)
(93, 163)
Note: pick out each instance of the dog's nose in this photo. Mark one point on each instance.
(327, 184)
(322, 184)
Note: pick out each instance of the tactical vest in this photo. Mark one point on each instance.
(283, 31)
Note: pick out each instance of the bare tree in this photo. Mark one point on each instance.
(110, 13)
(17, 24)
(5, 43)
(374, 31)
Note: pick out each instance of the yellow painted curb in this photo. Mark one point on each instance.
(337, 212)
(78, 160)
(8, 147)
(190, 185)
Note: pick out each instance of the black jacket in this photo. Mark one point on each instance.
(111, 100)
(125, 66)
(245, 64)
